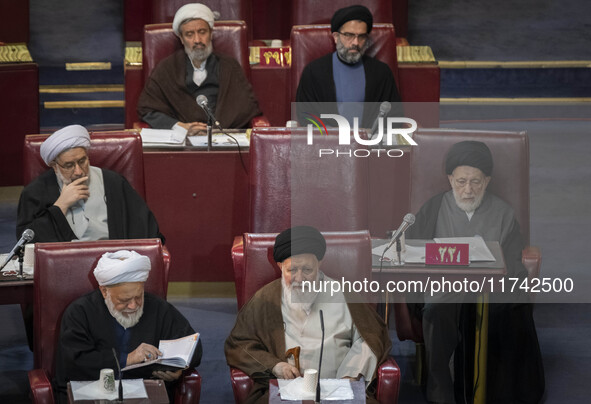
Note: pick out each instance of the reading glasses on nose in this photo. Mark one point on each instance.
(349, 36)
(461, 183)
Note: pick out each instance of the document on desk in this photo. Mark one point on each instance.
(91, 390)
(478, 248)
(163, 137)
(12, 267)
(411, 255)
(221, 140)
(330, 389)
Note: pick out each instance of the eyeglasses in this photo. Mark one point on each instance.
(462, 182)
(71, 165)
(350, 36)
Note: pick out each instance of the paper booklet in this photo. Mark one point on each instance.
(175, 352)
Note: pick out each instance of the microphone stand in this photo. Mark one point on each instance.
(21, 254)
(399, 250)
(209, 132)
(317, 401)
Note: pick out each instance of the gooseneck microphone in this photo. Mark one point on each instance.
(120, 399)
(320, 361)
(385, 107)
(408, 221)
(203, 103)
(27, 236)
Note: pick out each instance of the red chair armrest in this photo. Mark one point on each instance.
(388, 382)
(189, 389)
(531, 257)
(241, 385)
(40, 387)
(260, 121)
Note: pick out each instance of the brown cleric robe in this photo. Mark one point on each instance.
(166, 92)
(257, 342)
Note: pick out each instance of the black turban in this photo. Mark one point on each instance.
(469, 153)
(299, 240)
(351, 13)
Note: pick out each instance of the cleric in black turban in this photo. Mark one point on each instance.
(469, 153)
(299, 240)
(350, 13)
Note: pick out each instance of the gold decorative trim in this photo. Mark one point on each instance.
(81, 88)
(83, 104)
(415, 54)
(537, 64)
(133, 54)
(15, 53)
(531, 100)
(89, 66)
(201, 289)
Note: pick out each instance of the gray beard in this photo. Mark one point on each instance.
(199, 55)
(345, 56)
(126, 321)
(468, 206)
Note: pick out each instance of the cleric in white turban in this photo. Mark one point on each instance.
(190, 12)
(74, 200)
(118, 315)
(64, 139)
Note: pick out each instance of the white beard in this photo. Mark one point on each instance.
(126, 320)
(468, 206)
(295, 298)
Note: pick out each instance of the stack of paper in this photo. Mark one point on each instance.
(163, 137)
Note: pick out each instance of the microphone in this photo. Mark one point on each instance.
(408, 221)
(385, 107)
(120, 382)
(202, 102)
(320, 361)
(27, 236)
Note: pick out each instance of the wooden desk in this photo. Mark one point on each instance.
(358, 387)
(155, 389)
(15, 291)
(476, 270)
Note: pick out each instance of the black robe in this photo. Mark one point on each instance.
(317, 86)
(128, 215)
(515, 373)
(87, 337)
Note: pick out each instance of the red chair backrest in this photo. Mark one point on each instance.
(63, 273)
(164, 10)
(119, 151)
(307, 12)
(510, 176)
(348, 255)
(309, 42)
(291, 185)
(229, 38)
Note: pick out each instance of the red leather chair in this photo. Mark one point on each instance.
(63, 272)
(348, 255)
(291, 185)
(229, 38)
(309, 42)
(308, 12)
(117, 151)
(510, 181)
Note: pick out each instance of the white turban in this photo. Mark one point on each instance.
(64, 139)
(122, 266)
(192, 11)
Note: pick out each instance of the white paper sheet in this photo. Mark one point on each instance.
(330, 389)
(478, 248)
(163, 136)
(91, 390)
(412, 255)
(220, 140)
(12, 267)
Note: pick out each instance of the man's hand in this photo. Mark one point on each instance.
(167, 375)
(284, 370)
(144, 352)
(72, 193)
(193, 128)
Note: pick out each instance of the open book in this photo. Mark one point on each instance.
(175, 352)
